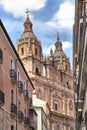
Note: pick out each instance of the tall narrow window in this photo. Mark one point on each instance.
(12, 127)
(11, 64)
(22, 51)
(37, 72)
(24, 111)
(18, 76)
(24, 85)
(12, 96)
(1, 56)
(56, 105)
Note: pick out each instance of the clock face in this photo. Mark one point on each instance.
(71, 105)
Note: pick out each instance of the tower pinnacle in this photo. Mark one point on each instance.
(58, 36)
(27, 12)
(27, 24)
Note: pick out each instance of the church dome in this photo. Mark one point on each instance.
(28, 34)
(58, 50)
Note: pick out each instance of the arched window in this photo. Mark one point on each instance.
(37, 71)
(56, 105)
(18, 76)
(12, 96)
(22, 51)
(11, 64)
(24, 85)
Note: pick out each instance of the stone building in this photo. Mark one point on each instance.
(15, 89)
(43, 110)
(80, 63)
(51, 76)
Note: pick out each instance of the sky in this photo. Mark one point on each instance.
(48, 18)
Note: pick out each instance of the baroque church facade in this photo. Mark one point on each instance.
(51, 76)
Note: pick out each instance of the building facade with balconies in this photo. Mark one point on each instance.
(15, 88)
(51, 76)
(80, 63)
(43, 110)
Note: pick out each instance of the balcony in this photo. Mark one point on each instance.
(26, 95)
(33, 119)
(2, 98)
(26, 121)
(13, 75)
(20, 86)
(20, 116)
(1, 56)
(13, 110)
(32, 125)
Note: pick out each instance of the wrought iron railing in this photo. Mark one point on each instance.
(20, 116)
(13, 75)
(26, 96)
(20, 86)
(13, 109)
(26, 121)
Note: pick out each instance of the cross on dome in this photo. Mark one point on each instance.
(27, 11)
(58, 36)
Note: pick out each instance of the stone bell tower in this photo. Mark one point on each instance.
(29, 49)
(60, 59)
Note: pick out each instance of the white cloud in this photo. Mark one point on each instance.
(46, 51)
(18, 7)
(64, 17)
(65, 45)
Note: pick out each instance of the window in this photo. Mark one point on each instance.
(1, 56)
(56, 105)
(12, 96)
(22, 51)
(24, 111)
(11, 64)
(12, 127)
(18, 76)
(67, 83)
(36, 51)
(37, 72)
(24, 85)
